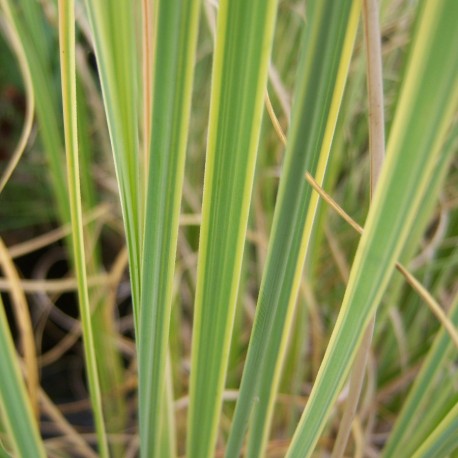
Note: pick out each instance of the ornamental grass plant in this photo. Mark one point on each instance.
(228, 228)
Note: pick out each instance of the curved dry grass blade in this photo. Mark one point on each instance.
(53, 286)
(377, 155)
(30, 103)
(243, 43)
(24, 324)
(435, 308)
(100, 212)
(423, 220)
(62, 423)
(425, 109)
(27, 20)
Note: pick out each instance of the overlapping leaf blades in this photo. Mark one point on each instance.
(427, 102)
(113, 28)
(428, 99)
(243, 42)
(16, 410)
(67, 60)
(173, 67)
(326, 52)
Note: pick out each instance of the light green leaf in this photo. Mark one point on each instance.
(427, 102)
(243, 43)
(325, 55)
(421, 392)
(17, 414)
(443, 440)
(68, 76)
(113, 27)
(175, 37)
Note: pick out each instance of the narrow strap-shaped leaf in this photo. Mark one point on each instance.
(423, 219)
(325, 55)
(443, 440)
(420, 392)
(68, 77)
(427, 102)
(109, 361)
(41, 50)
(377, 155)
(17, 414)
(29, 23)
(175, 31)
(243, 43)
(113, 28)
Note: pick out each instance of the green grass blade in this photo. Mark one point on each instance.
(445, 399)
(174, 50)
(421, 392)
(113, 28)
(3, 452)
(326, 52)
(377, 155)
(109, 361)
(18, 49)
(17, 414)
(243, 42)
(443, 440)
(168, 427)
(30, 26)
(425, 108)
(68, 76)
(429, 201)
(39, 43)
